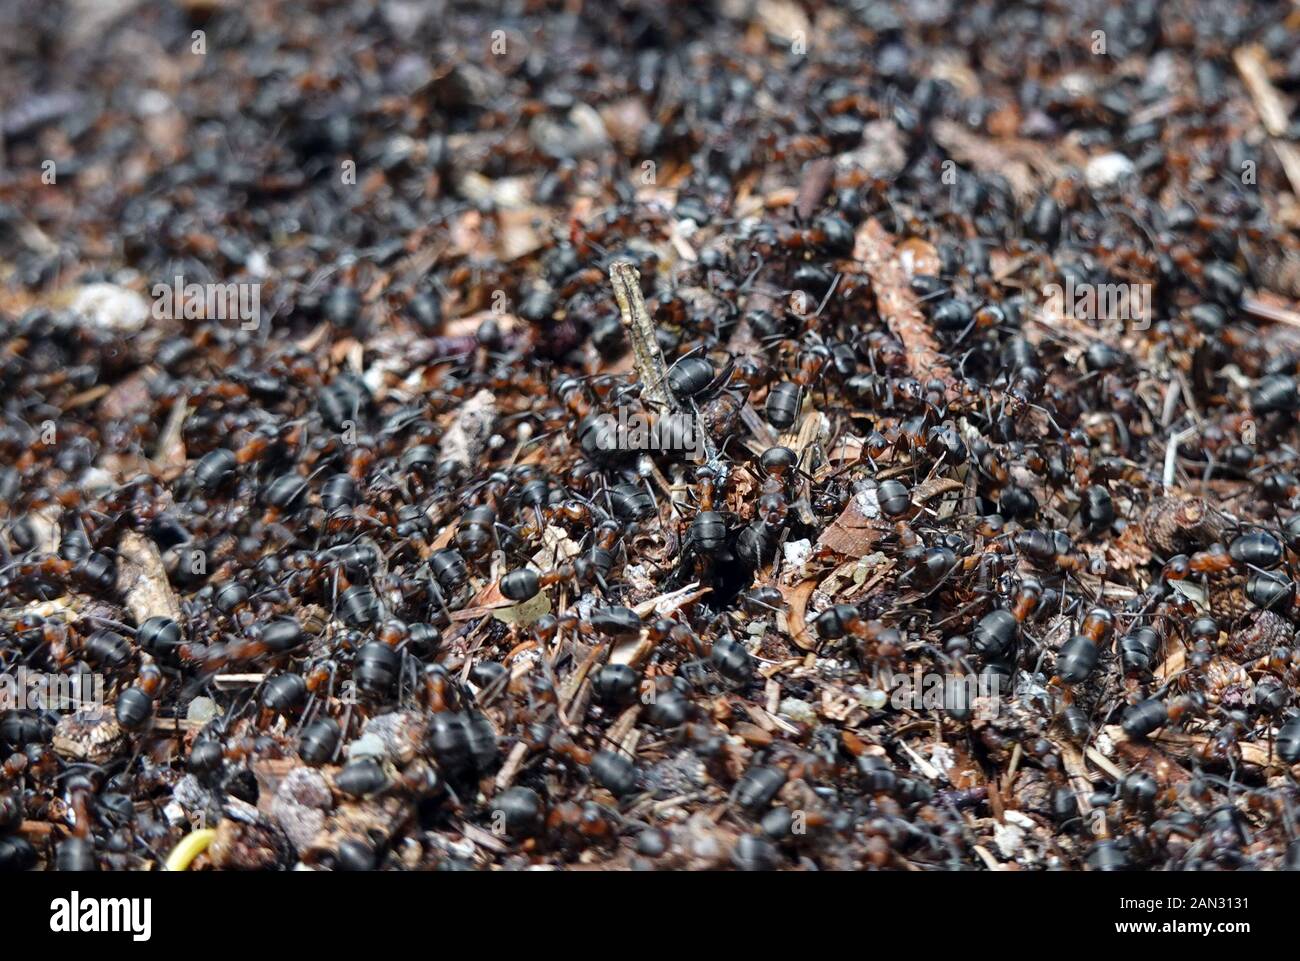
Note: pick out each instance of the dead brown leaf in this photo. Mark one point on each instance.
(797, 599)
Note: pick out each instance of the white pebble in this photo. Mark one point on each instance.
(1008, 839)
(867, 503)
(874, 699)
(1021, 820)
(941, 757)
(96, 480)
(367, 745)
(151, 103)
(257, 264)
(110, 307)
(796, 552)
(797, 710)
(1108, 171)
(201, 710)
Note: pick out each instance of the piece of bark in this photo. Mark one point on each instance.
(812, 190)
(649, 360)
(1008, 157)
(468, 435)
(898, 305)
(142, 580)
(853, 533)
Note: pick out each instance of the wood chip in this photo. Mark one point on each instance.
(853, 533)
(649, 359)
(935, 487)
(467, 437)
(897, 303)
(142, 580)
(1192, 746)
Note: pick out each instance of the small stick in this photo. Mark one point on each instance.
(170, 449)
(626, 281)
(772, 691)
(1077, 771)
(1171, 454)
(816, 183)
(989, 860)
(1252, 64)
(227, 681)
(574, 683)
(480, 837)
(1016, 754)
(1266, 311)
(758, 427)
(671, 601)
(514, 762)
(625, 722)
(1192, 746)
(1103, 762)
(1171, 403)
(929, 770)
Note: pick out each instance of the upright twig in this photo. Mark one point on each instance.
(649, 360)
